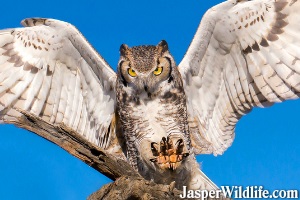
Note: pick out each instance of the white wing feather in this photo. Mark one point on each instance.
(244, 54)
(50, 70)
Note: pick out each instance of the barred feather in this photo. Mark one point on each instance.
(244, 54)
(50, 70)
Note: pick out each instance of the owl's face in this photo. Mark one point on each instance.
(145, 68)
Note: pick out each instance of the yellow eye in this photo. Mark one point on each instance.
(158, 71)
(131, 72)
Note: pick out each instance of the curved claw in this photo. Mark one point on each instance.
(168, 156)
(180, 141)
(154, 149)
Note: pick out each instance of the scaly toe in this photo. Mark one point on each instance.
(166, 155)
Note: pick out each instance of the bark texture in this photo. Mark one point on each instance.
(135, 188)
(128, 183)
(76, 145)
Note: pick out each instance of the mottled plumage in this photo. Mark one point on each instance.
(151, 107)
(156, 115)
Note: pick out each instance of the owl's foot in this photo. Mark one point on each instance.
(167, 155)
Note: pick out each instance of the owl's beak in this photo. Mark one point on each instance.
(146, 88)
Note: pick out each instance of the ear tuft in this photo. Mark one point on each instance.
(124, 50)
(163, 46)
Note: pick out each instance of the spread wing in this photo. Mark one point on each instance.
(245, 54)
(50, 70)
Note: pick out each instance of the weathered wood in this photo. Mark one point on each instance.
(139, 188)
(76, 145)
(135, 188)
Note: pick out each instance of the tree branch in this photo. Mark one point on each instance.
(136, 188)
(76, 145)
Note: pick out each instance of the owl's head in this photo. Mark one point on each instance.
(146, 68)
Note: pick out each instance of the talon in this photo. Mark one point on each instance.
(154, 149)
(167, 155)
(169, 143)
(179, 141)
(152, 145)
(180, 146)
(163, 146)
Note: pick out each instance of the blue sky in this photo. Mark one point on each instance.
(265, 151)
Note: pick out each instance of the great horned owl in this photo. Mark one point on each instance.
(151, 104)
(244, 54)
